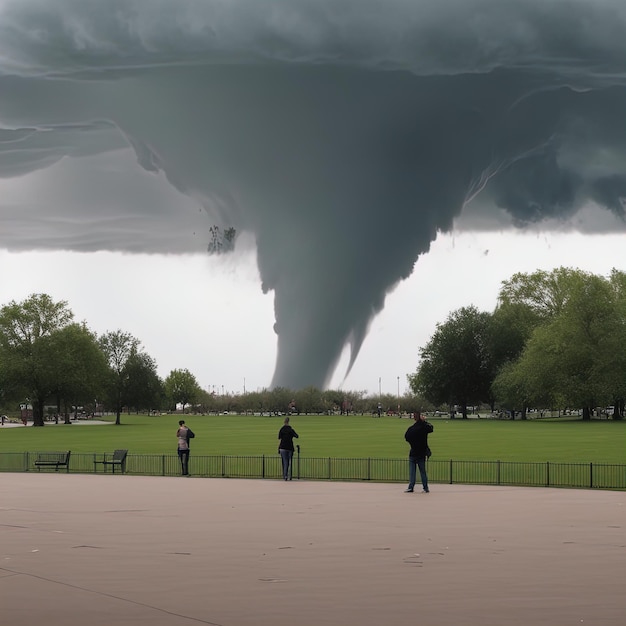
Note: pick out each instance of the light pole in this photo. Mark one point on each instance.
(399, 414)
(380, 395)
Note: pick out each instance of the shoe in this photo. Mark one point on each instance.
(425, 490)
(408, 491)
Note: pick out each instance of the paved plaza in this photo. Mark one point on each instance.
(97, 550)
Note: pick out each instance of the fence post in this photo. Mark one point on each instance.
(590, 475)
(298, 449)
(162, 465)
(498, 472)
(329, 474)
(26, 461)
(547, 473)
(223, 466)
(263, 467)
(369, 468)
(450, 471)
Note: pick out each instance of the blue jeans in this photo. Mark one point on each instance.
(414, 464)
(286, 457)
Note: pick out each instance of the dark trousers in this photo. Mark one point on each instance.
(183, 455)
(286, 457)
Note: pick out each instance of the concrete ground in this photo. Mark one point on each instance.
(99, 550)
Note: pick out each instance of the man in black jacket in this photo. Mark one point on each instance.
(285, 447)
(417, 436)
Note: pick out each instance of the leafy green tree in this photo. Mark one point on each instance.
(205, 401)
(511, 326)
(143, 388)
(26, 354)
(543, 293)
(279, 399)
(577, 358)
(181, 387)
(617, 281)
(309, 400)
(514, 388)
(254, 402)
(456, 366)
(77, 368)
(118, 347)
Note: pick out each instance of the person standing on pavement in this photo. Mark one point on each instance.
(417, 437)
(286, 436)
(184, 434)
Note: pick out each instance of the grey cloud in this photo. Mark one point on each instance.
(344, 135)
(23, 150)
(100, 202)
(444, 37)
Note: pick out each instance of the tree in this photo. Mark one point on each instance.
(279, 399)
(27, 356)
(118, 347)
(77, 368)
(544, 293)
(181, 387)
(205, 401)
(309, 400)
(455, 365)
(577, 358)
(143, 389)
(517, 387)
(617, 281)
(511, 326)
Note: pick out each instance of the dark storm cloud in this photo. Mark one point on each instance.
(343, 134)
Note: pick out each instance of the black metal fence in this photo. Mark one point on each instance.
(548, 474)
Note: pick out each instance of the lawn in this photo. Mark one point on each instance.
(564, 440)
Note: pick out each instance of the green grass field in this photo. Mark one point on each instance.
(564, 440)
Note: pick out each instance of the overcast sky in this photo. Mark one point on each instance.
(341, 139)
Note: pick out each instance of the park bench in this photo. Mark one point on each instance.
(118, 459)
(53, 459)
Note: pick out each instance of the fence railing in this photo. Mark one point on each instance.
(512, 473)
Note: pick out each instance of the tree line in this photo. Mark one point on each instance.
(50, 362)
(56, 365)
(555, 339)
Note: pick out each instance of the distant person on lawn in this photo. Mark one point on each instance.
(286, 436)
